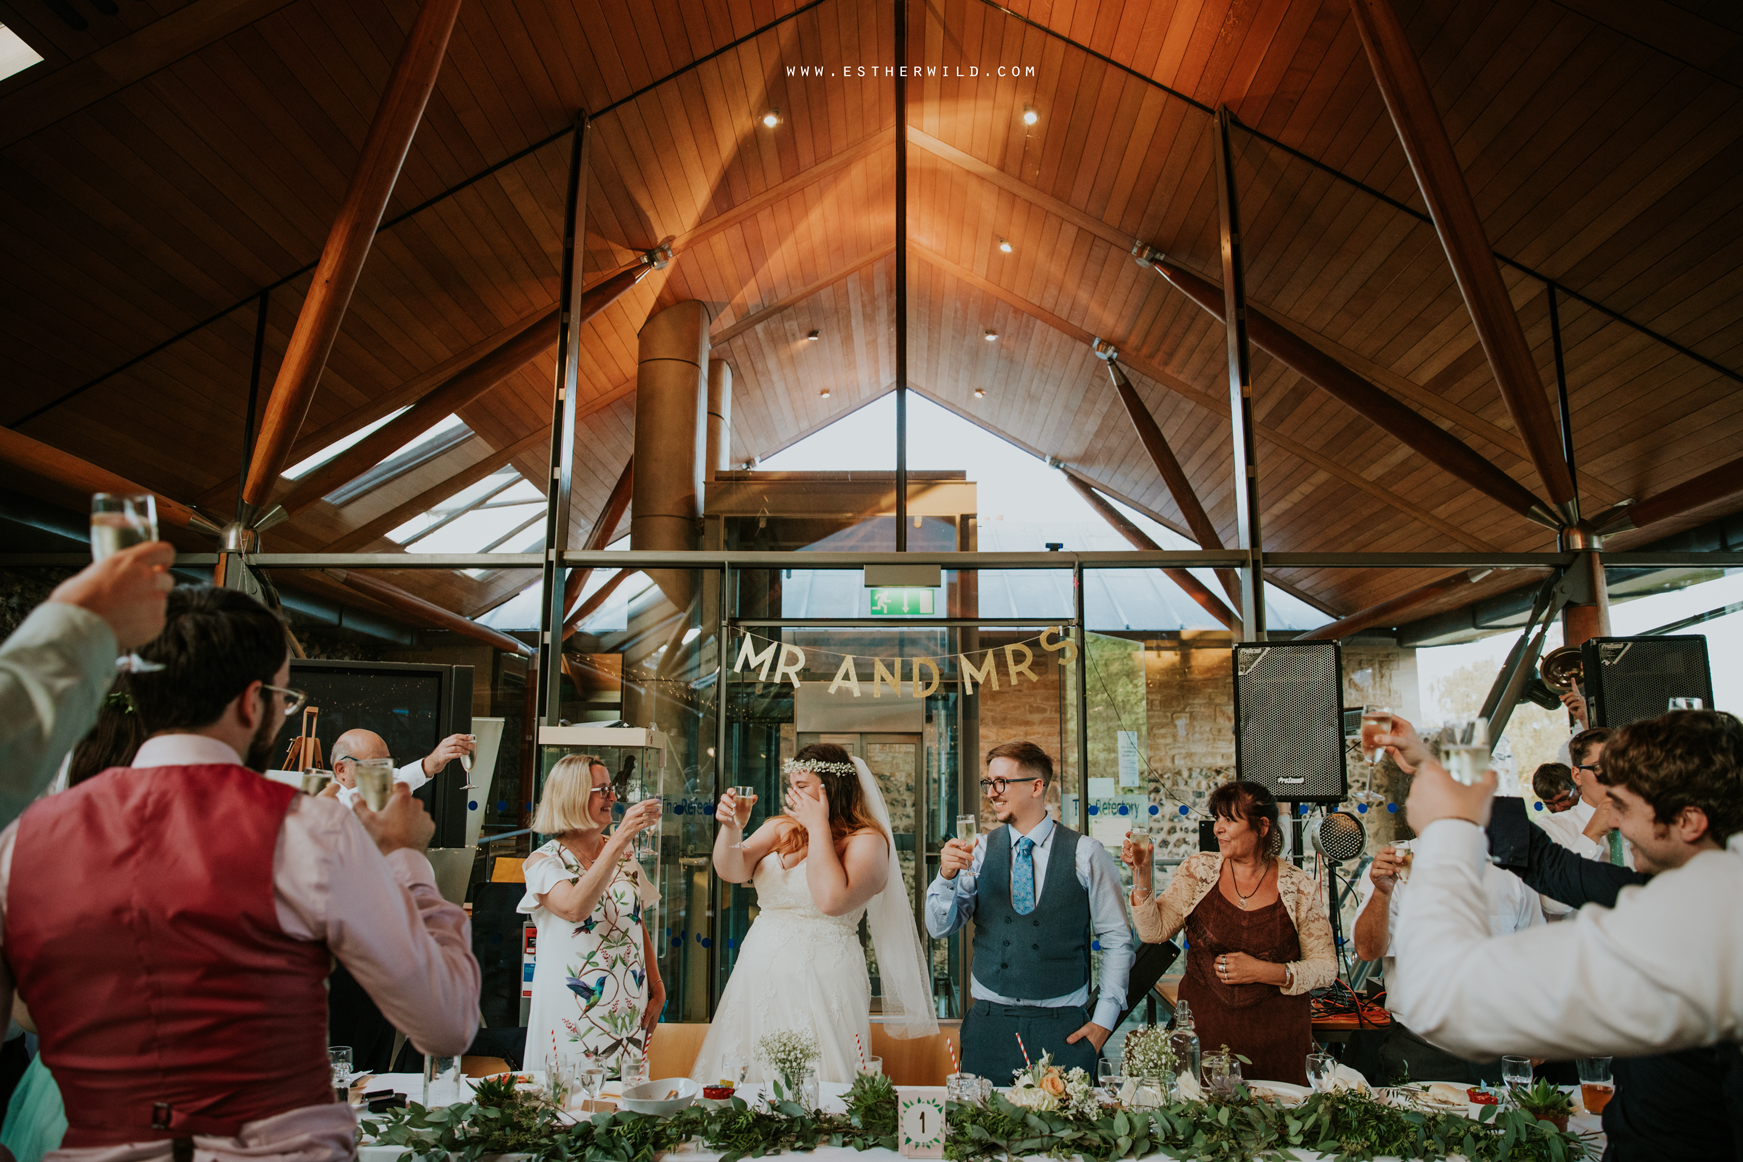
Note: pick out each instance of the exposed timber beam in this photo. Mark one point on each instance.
(459, 390)
(428, 611)
(1725, 480)
(1138, 539)
(1429, 439)
(758, 317)
(71, 476)
(1417, 120)
(592, 604)
(495, 461)
(1168, 465)
(599, 536)
(384, 150)
(1392, 611)
(82, 83)
(1210, 403)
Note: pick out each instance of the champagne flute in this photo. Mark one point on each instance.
(1376, 720)
(743, 799)
(1467, 754)
(967, 828)
(120, 521)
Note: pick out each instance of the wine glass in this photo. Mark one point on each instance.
(339, 1060)
(466, 762)
(592, 1077)
(743, 799)
(120, 521)
(1320, 1069)
(646, 838)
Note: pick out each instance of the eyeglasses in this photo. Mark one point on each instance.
(607, 790)
(1000, 786)
(293, 699)
(1595, 768)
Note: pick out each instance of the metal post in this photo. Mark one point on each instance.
(1082, 701)
(253, 394)
(901, 276)
(722, 890)
(559, 482)
(1567, 422)
(1240, 386)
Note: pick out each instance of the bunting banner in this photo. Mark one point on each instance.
(774, 660)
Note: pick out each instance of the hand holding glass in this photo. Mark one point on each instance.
(120, 521)
(967, 827)
(743, 799)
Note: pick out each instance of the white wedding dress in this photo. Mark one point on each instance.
(798, 968)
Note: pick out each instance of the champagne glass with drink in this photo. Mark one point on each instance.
(967, 828)
(120, 521)
(1597, 1083)
(1376, 720)
(743, 799)
(1467, 751)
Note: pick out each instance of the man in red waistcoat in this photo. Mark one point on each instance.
(171, 924)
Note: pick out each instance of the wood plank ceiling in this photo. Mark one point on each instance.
(1602, 149)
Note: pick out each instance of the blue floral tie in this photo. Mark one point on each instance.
(1023, 877)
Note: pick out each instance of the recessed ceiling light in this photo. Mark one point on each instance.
(824, 393)
(1005, 245)
(814, 336)
(980, 393)
(772, 118)
(1029, 115)
(991, 335)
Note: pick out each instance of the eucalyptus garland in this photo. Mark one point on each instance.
(1344, 1126)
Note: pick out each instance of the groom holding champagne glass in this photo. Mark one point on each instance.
(1040, 895)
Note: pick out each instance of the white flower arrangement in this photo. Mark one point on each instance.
(788, 1053)
(1148, 1053)
(1045, 1087)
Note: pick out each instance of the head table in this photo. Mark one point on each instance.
(412, 1085)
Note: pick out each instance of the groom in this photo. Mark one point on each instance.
(1039, 893)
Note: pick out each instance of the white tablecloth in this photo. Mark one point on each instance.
(412, 1085)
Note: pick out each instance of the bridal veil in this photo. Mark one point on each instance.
(907, 985)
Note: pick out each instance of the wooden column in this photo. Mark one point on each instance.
(384, 150)
(1246, 459)
(1442, 182)
(901, 276)
(1137, 538)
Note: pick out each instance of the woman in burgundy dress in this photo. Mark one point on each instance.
(1258, 936)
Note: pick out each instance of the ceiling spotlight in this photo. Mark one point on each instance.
(1029, 115)
(1005, 245)
(814, 336)
(980, 393)
(773, 118)
(824, 393)
(991, 335)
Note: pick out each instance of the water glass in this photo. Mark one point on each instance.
(1686, 704)
(339, 1059)
(1516, 1071)
(1320, 1069)
(632, 1068)
(560, 1079)
(872, 1066)
(1150, 1093)
(957, 1086)
(1107, 1072)
(591, 1076)
(1597, 1083)
(442, 1084)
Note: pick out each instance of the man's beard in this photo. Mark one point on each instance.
(260, 746)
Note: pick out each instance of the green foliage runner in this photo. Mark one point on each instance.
(1344, 1126)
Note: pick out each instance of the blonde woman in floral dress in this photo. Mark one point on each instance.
(596, 988)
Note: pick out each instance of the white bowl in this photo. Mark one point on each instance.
(650, 1096)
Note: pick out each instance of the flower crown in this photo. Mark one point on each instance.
(818, 767)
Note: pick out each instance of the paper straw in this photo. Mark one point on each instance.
(955, 1065)
(1025, 1052)
(861, 1049)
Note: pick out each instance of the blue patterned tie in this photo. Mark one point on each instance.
(1023, 878)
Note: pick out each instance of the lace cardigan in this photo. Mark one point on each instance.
(1158, 918)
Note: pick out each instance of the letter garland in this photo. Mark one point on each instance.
(778, 661)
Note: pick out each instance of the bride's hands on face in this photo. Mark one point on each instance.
(808, 807)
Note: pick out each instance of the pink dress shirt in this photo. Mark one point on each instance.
(380, 916)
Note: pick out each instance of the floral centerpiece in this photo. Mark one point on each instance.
(1047, 1087)
(788, 1053)
(1148, 1054)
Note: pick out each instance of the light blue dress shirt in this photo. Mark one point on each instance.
(950, 904)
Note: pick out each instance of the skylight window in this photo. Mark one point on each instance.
(304, 467)
(15, 55)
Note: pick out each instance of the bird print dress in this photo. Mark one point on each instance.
(590, 979)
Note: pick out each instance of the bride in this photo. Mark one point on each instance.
(829, 860)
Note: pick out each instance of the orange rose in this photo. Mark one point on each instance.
(1053, 1084)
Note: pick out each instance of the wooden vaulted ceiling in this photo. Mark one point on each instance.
(173, 160)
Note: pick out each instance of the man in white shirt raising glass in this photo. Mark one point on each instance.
(1663, 970)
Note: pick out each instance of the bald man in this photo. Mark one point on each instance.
(366, 744)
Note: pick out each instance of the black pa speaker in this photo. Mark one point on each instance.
(1627, 679)
(1289, 733)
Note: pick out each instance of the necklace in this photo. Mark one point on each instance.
(1235, 878)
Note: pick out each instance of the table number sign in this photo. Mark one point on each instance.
(922, 1127)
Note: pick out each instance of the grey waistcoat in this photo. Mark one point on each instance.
(1046, 953)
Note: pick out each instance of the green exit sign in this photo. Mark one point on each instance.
(902, 602)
